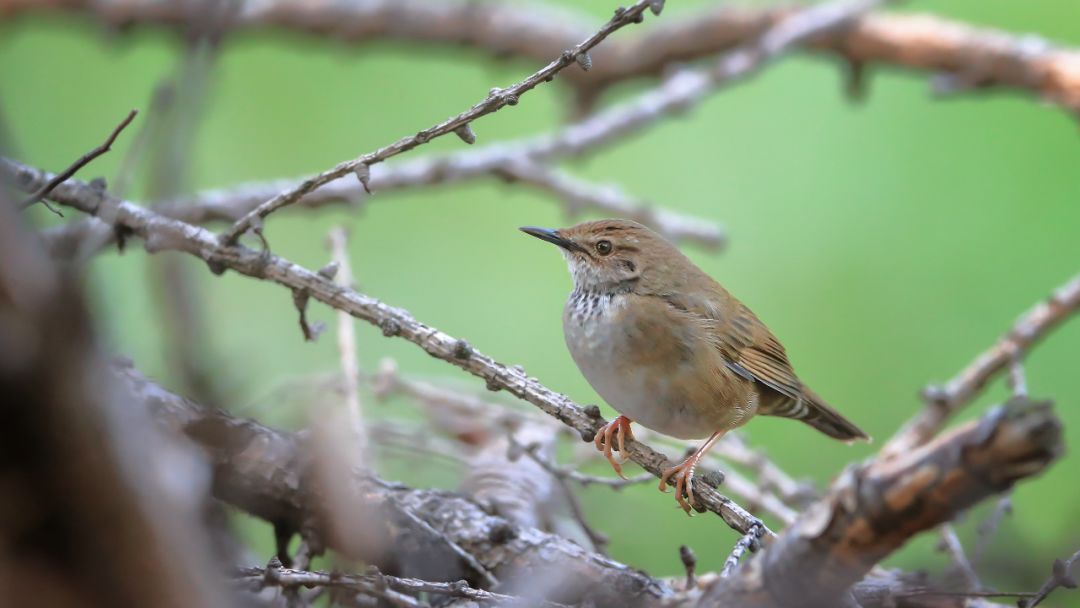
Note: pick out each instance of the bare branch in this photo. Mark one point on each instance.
(580, 195)
(943, 402)
(161, 233)
(872, 509)
(374, 583)
(978, 58)
(751, 541)
(268, 474)
(346, 335)
(495, 101)
(959, 558)
(1060, 576)
(988, 527)
(83, 160)
(569, 473)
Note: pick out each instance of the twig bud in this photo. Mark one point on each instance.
(584, 60)
(466, 133)
(363, 174)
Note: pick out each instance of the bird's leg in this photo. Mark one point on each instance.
(684, 474)
(604, 441)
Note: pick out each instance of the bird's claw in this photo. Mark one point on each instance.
(684, 484)
(605, 439)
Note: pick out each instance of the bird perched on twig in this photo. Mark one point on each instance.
(670, 348)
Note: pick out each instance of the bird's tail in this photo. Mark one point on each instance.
(823, 417)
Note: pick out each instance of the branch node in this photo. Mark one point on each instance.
(502, 533)
(462, 350)
(390, 328)
(311, 331)
(329, 271)
(689, 562)
(466, 133)
(362, 172)
(584, 60)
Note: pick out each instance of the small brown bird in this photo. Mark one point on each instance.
(670, 348)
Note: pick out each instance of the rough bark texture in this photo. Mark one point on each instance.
(872, 510)
(268, 474)
(973, 57)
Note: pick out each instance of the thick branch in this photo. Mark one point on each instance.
(873, 509)
(268, 474)
(979, 57)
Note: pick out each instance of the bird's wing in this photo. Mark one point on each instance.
(748, 347)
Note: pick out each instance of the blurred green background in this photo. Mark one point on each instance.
(887, 243)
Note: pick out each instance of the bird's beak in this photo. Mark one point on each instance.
(552, 236)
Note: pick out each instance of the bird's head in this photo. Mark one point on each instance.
(611, 256)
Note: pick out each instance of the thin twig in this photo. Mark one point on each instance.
(458, 550)
(83, 160)
(495, 101)
(959, 558)
(580, 195)
(1017, 378)
(569, 473)
(285, 577)
(988, 528)
(598, 539)
(750, 541)
(386, 588)
(346, 335)
(1060, 576)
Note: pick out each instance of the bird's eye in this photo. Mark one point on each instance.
(603, 247)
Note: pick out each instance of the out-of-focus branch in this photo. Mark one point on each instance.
(972, 57)
(943, 402)
(873, 509)
(346, 335)
(161, 233)
(267, 473)
(1060, 576)
(951, 544)
(579, 195)
(99, 508)
(495, 101)
(374, 585)
(576, 194)
(679, 92)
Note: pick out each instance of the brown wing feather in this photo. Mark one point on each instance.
(746, 343)
(751, 350)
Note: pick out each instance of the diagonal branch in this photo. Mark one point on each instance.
(972, 57)
(943, 402)
(495, 101)
(81, 162)
(872, 509)
(267, 473)
(161, 233)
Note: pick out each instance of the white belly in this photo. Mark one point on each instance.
(645, 396)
